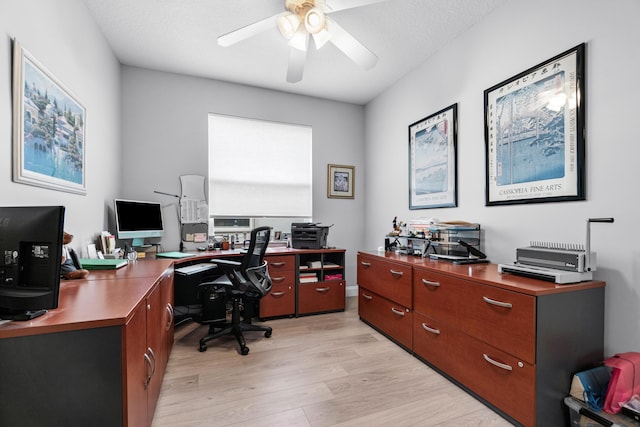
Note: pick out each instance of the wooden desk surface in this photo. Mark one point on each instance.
(271, 251)
(109, 297)
(487, 274)
(105, 298)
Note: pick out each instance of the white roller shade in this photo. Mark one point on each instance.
(259, 168)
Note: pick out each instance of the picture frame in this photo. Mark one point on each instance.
(535, 133)
(341, 182)
(433, 160)
(48, 128)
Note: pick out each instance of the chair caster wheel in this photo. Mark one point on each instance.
(203, 347)
(267, 334)
(244, 351)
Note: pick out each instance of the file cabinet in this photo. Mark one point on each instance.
(512, 342)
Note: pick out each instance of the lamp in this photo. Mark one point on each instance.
(288, 25)
(303, 19)
(314, 20)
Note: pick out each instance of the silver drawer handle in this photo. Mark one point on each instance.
(398, 312)
(498, 364)
(277, 294)
(365, 296)
(430, 283)
(365, 264)
(498, 303)
(429, 329)
(323, 289)
(396, 273)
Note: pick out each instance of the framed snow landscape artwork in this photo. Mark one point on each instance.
(534, 133)
(433, 160)
(48, 126)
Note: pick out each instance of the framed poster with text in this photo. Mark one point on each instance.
(433, 160)
(534, 133)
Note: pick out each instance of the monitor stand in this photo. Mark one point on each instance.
(138, 242)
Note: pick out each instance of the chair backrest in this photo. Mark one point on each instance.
(257, 247)
(254, 268)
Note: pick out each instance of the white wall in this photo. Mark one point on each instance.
(165, 124)
(515, 37)
(62, 36)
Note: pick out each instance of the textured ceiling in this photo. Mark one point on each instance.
(180, 36)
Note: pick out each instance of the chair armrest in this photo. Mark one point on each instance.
(226, 265)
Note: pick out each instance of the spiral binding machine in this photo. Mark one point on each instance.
(560, 263)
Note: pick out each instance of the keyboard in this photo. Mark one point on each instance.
(195, 268)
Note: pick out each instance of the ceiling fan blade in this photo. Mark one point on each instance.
(300, 39)
(296, 65)
(351, 47)
(338, 5)
(250, 30)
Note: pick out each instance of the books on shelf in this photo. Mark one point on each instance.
(107, 242)
(331, 265)
(314, 264)
(308, 277)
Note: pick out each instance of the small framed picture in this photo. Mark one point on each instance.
(340, 182)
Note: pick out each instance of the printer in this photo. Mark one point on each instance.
(306, 235)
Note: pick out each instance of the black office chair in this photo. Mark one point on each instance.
(241, 285)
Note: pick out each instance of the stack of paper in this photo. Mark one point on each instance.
(308, 277)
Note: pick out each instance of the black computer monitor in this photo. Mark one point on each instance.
(31, 239)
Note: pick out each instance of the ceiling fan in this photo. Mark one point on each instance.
(305, 19)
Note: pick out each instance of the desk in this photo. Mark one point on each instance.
(91, 360)
(290, 295)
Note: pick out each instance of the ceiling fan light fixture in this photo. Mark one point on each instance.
(288, 25)
(314, 20)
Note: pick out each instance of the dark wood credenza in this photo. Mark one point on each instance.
(511, 341)
(99, 358)
(290, 295)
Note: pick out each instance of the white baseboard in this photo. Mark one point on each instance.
(352, 291)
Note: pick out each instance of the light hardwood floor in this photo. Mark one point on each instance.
(325, 370)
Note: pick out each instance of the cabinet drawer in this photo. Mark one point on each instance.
(435, 342)
(317, 297)
(391, 318)
(503, 380)
(501, 318)
(387, 279)
(281, 263)
(437, 295)
(282, 277)
(280, 301)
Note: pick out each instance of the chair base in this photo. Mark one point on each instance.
(236, 327)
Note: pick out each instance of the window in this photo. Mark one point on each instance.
(259, 168)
